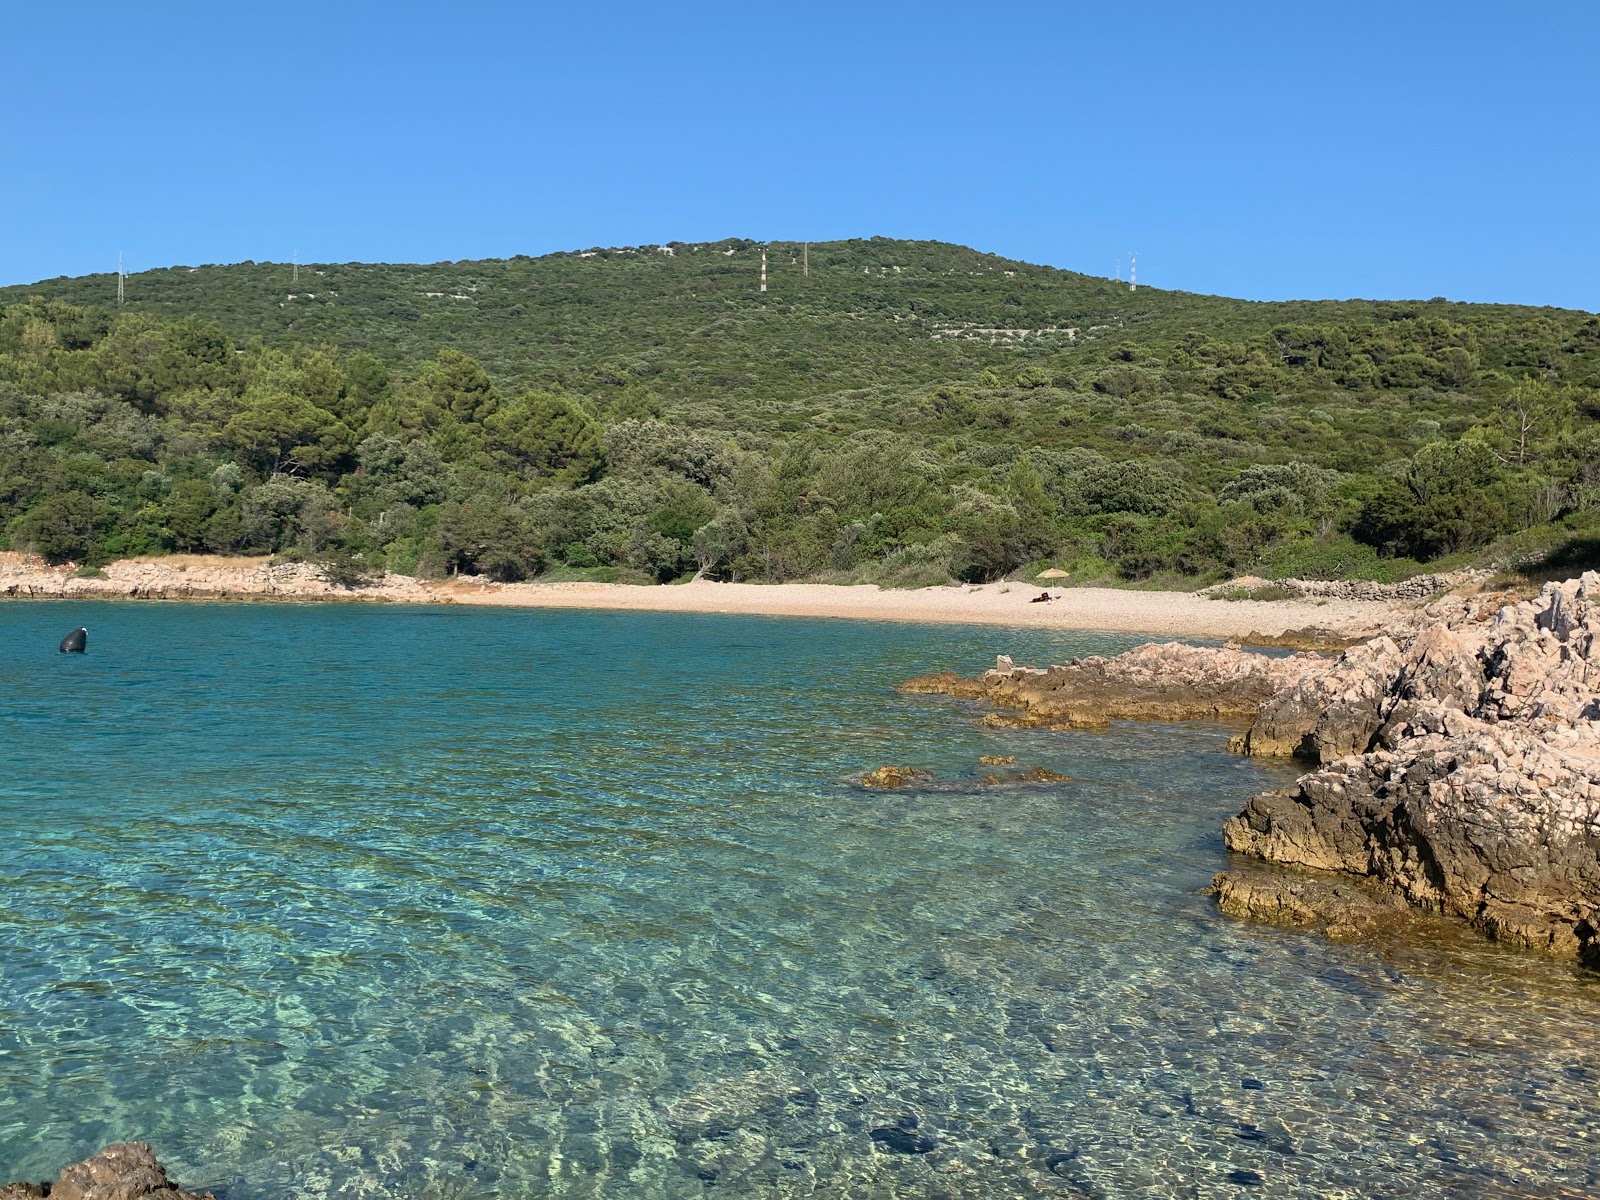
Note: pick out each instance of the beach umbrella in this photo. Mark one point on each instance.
(1052, 573)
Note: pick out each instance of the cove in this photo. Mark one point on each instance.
(328, 900)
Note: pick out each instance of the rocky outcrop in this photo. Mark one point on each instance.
(1460, 768)
(1457, 763)
(128, 1171)
(197, 577)
(1332, 710)
(1165, 681)
(1338, 709)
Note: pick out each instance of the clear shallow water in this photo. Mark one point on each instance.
(346, 901)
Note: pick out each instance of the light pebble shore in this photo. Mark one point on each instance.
(197, 577)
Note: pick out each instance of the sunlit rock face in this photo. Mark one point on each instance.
(128, 1171)
(1460, 768)
(1457, 759)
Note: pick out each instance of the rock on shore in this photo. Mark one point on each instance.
(1460, 769)
(1457, 762)
(1165, 681)
(128, 1171)
(195, 577)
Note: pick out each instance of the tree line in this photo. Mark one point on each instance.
(1362, 446)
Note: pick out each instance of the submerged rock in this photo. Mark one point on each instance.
(128, 1171)
(892, 778)
(1036, 775)
(896, 1140)
(1342, 909)
(889, 778)
(998, 760)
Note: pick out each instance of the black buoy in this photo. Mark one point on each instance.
(75, 642)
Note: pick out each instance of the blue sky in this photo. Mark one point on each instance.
(1250, 149)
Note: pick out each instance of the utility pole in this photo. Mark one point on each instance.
(120, 294)
(763, 268)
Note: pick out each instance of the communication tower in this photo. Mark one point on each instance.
(294, 276)
(120, 278)
(763, 268)
(1133, 272)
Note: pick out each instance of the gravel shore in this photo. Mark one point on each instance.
(1180, 613)
(196, 577)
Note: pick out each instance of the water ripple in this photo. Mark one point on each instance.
(339, 901)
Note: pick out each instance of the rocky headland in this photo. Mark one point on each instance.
(1456, 763)
(127, 1171)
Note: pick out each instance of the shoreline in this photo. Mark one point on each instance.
(1112, 610)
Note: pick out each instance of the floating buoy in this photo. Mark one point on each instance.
(75, 642)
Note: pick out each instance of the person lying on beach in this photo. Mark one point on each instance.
(1041, 598)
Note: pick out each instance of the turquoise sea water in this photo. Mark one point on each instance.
(397, 902)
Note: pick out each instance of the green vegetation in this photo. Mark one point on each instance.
(905, 413)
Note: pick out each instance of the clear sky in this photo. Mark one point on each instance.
(1264, 150)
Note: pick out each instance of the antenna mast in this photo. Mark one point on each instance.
(763, 268)
(1119, 270)
(1133, 272)
(805, 257)
(295, 276)
(120, 296)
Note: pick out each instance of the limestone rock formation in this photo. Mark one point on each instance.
(128, 1171)
(1460, 768)
(1457, 762)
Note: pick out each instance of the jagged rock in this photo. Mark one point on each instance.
(1166, 681)
(998, 760)
(1488, 822)
(128, 1171)
(1459, 759)
(888, 778)
(1331, 710)
(1461, 770)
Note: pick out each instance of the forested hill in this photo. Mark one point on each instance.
(691, 319)
(886, 409)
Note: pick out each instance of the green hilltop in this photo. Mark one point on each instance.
(898, 411)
